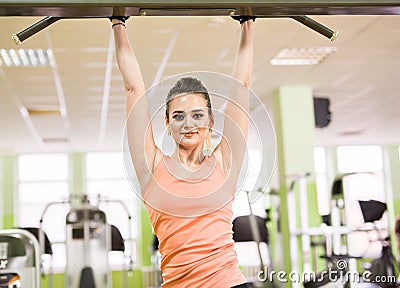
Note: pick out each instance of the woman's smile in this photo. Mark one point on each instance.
(190, 134)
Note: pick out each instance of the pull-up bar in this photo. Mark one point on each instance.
(47, 21)
(296, 9)
(104, 8)
(318, 27)
(33, 29)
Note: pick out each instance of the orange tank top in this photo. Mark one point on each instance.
(191, 213)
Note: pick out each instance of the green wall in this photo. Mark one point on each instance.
(77, 173)
(8, 163)
(294, 124)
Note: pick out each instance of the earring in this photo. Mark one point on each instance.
(210, 130)
(169, 133)
(208, 142)
(207, 151)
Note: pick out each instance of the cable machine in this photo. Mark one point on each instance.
(89, 239)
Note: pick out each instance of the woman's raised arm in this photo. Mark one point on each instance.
(139, 130)
(232, 148)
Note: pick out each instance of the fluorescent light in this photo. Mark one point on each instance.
(4, 55)
(14, 57)
(32, 57)
(294, 62)
(50, 56)
(302, 56)
(26, 57)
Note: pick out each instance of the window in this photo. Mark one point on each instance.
(359, 159)
(42, 179)
(106, 178)
(248, 180)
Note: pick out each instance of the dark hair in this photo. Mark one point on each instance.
(188, 85)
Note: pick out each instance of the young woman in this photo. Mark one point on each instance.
(189, 194)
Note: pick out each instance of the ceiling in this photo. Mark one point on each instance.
(361, 79)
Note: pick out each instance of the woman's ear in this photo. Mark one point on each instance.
(167, 125)
(211, 120)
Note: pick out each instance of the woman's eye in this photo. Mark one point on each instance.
(197, 116)
(178, 117)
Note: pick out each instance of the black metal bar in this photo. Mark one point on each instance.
(47, 21)
(33, 29)
(318, 27)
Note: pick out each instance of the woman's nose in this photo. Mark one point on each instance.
(188, 122)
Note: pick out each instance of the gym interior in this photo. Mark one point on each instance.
(320, 199)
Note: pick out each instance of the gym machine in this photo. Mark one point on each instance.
(89, 239)
(252, 229)
(19, 259)
(335, 232)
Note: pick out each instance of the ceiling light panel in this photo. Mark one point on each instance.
(302, 56)
(26, 57)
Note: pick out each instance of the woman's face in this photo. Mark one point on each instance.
(189, 120)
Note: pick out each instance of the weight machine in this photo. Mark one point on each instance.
(248, 230)
(19, 259)
(335, 231)
(89, 239)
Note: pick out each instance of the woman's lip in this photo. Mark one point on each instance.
(189, 133)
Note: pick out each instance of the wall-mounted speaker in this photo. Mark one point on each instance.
(321, 112)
